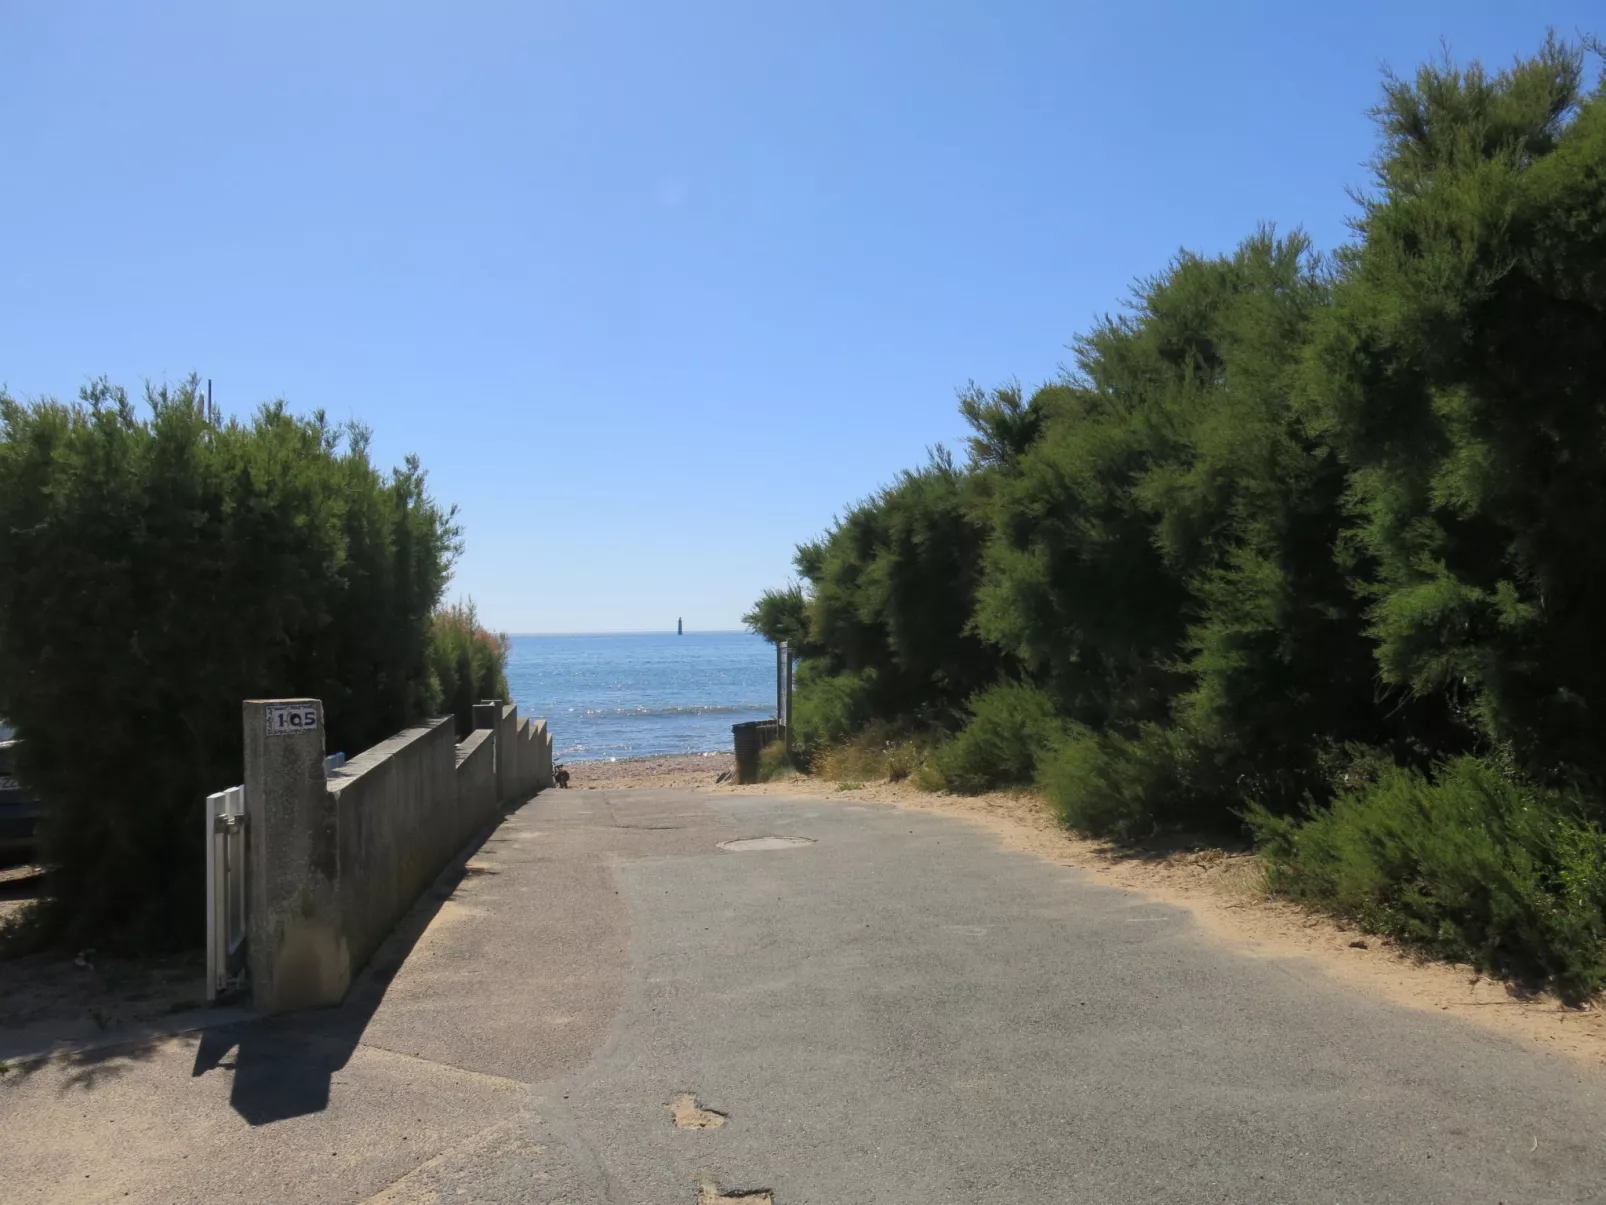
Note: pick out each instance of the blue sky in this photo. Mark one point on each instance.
(654, 288)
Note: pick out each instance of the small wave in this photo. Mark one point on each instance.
(580, 753)
(712, 709)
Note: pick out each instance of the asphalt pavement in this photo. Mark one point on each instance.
(891, 1009)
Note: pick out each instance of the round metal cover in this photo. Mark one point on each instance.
(743, 845)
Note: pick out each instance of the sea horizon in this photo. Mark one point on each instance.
(614, 695)
(641, 632)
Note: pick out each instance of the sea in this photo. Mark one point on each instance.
(642, 694)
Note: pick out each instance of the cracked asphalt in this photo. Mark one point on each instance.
(897, 1011)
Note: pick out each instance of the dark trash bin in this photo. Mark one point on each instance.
(749, 740)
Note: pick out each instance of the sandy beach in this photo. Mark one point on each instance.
(678, 771)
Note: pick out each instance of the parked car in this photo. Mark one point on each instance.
(20, 811)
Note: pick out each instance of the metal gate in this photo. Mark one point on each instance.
(225, 892)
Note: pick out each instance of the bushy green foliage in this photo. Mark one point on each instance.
(1011, 725)
(1108, 784)
(157, 569)
(1462, 376)
(1286, 505)
(1074, 589)
(827, 707)
(1470, 863)
(467, 663)
(891, 593)
(781, 615)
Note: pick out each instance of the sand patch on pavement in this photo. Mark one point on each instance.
(689, 1115)
(754, 1196)
(683, 772)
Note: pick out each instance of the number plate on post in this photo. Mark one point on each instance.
(287, 719)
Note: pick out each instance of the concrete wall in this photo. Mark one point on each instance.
(397, 816)
(477, 803)
(528, 756)
(336, 862)
(537, 756)
(508, 784)
(523, 750)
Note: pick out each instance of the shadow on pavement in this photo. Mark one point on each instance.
(283, 1066)
(87, 1069)
(21, 882)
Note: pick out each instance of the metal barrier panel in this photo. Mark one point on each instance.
(225, 891)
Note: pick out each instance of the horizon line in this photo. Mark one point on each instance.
(641, 632)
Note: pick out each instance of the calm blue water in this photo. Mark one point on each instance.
(642, 694)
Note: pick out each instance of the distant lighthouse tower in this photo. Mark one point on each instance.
(680, 627)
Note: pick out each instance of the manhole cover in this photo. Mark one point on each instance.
(743, 845)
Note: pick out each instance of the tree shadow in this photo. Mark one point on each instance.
(86, 1069)
(1168, 846)
(283, 1066)
(24, 882)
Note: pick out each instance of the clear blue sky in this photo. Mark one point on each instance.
(654, 288)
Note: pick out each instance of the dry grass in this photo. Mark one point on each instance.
(878, 756)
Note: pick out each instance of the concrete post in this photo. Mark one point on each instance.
(507, 754)
(488, 714)
(298, 954)
(541, 750)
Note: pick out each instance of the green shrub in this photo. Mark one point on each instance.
(1011, 726)
(773, 763)
(827, 707)
(157, 569)
(1108, 785)
(781, 616)
(1090, 783)
(467, 664)
(891, 591)
(1469, 863)
(1459, 376)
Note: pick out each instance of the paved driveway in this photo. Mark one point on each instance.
(895, 1011)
